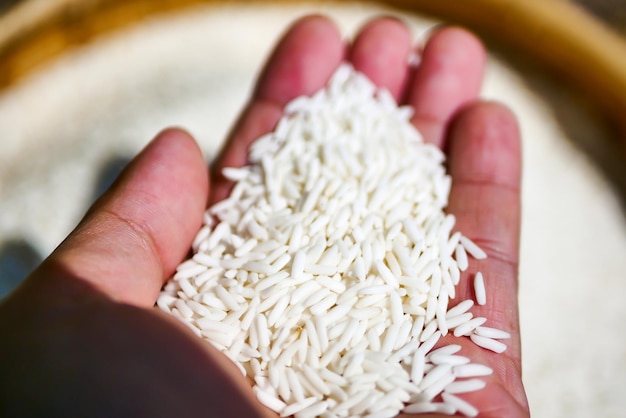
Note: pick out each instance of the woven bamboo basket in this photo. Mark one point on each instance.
(556, 33)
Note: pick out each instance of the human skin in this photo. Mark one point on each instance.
(81, 336)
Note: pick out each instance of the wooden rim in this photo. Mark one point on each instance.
(556, 33)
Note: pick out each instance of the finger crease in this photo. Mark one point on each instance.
(141, 233)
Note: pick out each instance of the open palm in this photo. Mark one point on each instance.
(80, 336)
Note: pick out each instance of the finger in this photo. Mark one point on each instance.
(484, 162)
(301, 64)
(449, 76)
(133, 237)
(381, 51)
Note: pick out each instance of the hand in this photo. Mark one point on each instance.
(80, 336)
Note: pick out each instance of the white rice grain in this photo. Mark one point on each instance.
(465, 386)
(472, 248)
(472, 370)
(460, 308)
(327, 274)
(313, 411)
(460, 405)
(469, 326)
(269, 400)
(479, 289)
(494, 333)
(488, 343)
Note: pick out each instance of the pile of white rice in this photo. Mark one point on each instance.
(327, 276)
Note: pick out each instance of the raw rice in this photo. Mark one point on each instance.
(479, 289)
(329, 273)
(488, 343)
(465, 386)
(461, 406)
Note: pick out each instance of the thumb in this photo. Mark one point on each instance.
(133, 237)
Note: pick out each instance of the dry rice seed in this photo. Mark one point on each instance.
(281, 262)
(417, 367)
(445, 350)
(394, 395)
(479, 289)
(452, 360)
(259, 267)
(494, 333)
(427, 345)
(397, 313)
(316, 297)
(337, 330)
(403, 383)
(320, 269)
(358, 338)
(296, 407)
(469, 326)
(182, 307)
(304, 291)
(383, 413)
(386, 274)
(438, 386)
(262, 330)
(461, 258)
(269, 400)
(443, 408)
(365, 313)
(418, 326)
(375, 289)
(373, 339)
(322, 333)
(391, 337)
(455, 321)
(403, 333)
(189, 290)
(207, 324)
(460, 308)
(331, 377)
(278, 309)
(428, 331)
(431, 307)
(295, 238)
(189, 272)
(313, 410)
(406, 350)
(435, 374)
(349, 403)
(420, 408)
(283, 387)
(440, 319)
(271, 280)
(313, 339)
(460, 405)
(488, 343)
(365, 404)
(270, 301)
(314, 378)
(472, 370)
(339, 311)
(472, 248)
(336, 286)
(294, 384)
(465, 386)
(354, 365)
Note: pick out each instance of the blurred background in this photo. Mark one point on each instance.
(71, 120)
(611, 11)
